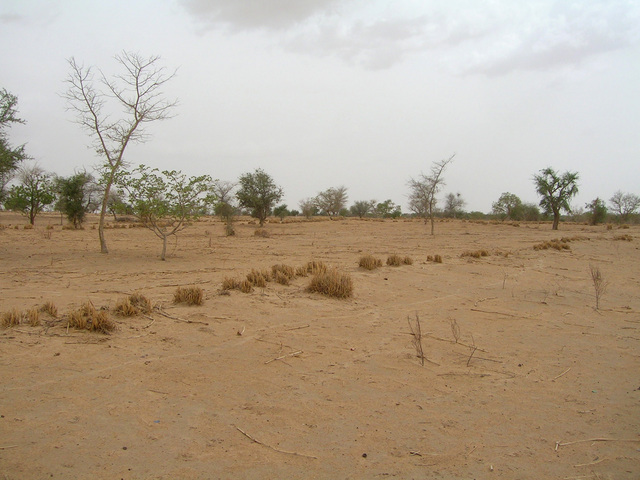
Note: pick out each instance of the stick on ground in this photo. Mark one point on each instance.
(269, 446)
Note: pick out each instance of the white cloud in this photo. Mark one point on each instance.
(494, 37)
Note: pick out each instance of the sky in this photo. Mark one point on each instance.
(361, 93)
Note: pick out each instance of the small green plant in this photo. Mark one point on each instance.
(188, 295)
(332, 283)
(369, 262)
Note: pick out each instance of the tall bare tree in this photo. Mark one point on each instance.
(423, 190)
(624, 204)
(332, 200)
(137, 91)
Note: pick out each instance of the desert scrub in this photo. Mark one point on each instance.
(229, 283)
(434, 258)
(245, 286)
(369, 262)
(142, 303)
(332, 283)
(188, 295)
(314, 267)
(87, 317)
(625, 238)
(282, 271)
(258, 278)
(394, 260)
(133, 305)
(50, 309)
(475, 253)
(33, 317)
(554, 244)
(261, 232)
(11, 318)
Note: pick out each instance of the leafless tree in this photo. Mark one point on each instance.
(423, 190)
(332, 200)
(624, 204)
(137, 91)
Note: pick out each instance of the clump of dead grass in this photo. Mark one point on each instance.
(229, 283)
(188, 295)
(87, 317)
(12, 318)
(475, 253)
(332, 283)
(281, 271)
(369, 262)
(261, 232)
(50, 309)
(258, 278)
(33, 317)
(434, 258)
(625, 237)
(552, 244)
(396, 260)
(245, 286)
(314, 267)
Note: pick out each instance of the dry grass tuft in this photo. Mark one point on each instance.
(230, 284)
(554, 244)
(28, 226)
(369, 262)
(302, 271)
(245, 286)
(285, 270)
(125, 308)
(395, 260)
(33, 317)
(258, 279)
(314, 267)
(475, 253)
(50, 309)
(407, 261)
(332, 283)
(189, 295)
(141, 302)
(87, 317)
(437, 259)
(625, 237)
(261, 232)
(11, 318)
(282, 278)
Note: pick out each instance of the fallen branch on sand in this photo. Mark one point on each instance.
(559, 444)
(293, 354)
(555, 378)
(164, 314)
(269, 446)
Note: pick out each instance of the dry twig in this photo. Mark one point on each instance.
(293, 354)
(269, 446)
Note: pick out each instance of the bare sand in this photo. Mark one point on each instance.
(282, 383)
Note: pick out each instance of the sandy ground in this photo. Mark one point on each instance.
(316, 387)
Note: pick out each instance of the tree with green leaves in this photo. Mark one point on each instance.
(308, 207)
(597, 211)
(281, 211)
(362, 208)
(508, 206)
(453, 205)
(77, 195)
(388, 209)
(624, 204)
(33, 194)
(423, 191)
(164, 202)
(222, 190)
(259, 193)
(556, 191)
(10, 156)
(332, 200)
(137, 92)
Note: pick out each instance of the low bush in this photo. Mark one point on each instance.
(369, 262)
(332, 283)
(188, 295)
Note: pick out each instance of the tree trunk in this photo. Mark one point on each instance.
(556, 220)
(164, 248)
(103, 212)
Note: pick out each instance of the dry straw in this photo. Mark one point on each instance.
(475, 253)
(369, 262)
(50, 309)
(188, 295)
(332, 283)
(11, 318)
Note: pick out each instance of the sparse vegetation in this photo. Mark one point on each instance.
(261, 232)
(189, 295)
(230, 284)
(50, 309)
(624, 237)
(416, 337)
(258, 279)
(332, 283)
(599, 283)
(11, 318)
(475, 253)
(369, 262)
(87, 317)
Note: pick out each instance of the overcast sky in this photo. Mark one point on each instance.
(361, 93)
